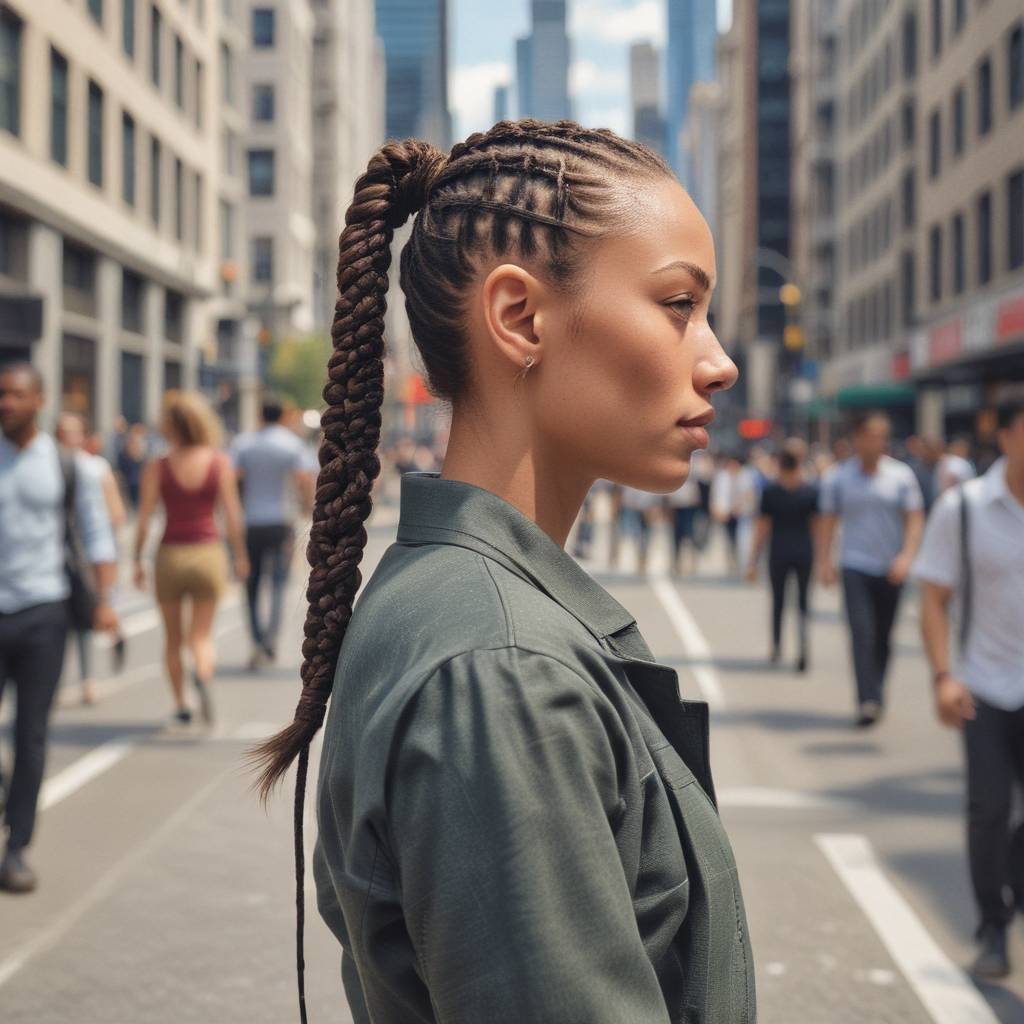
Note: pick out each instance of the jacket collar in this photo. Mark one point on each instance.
(440, 511)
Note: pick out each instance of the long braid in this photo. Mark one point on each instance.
(529, 188)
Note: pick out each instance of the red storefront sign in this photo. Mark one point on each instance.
(945, 342)
(901, 366)
(1010, 320)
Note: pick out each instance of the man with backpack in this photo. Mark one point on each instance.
(974, 549)
(53, 523)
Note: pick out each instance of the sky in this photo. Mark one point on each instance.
(483, 39)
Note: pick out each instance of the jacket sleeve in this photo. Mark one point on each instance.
(504, 786)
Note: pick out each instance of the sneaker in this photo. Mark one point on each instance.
(868, 714)
(205, 701)
(183, 716)
(15, 874)
(801, 663)
(992, 961)
(257, 659)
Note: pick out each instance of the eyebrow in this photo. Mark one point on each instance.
(699, 273)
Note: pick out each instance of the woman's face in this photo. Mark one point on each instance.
(625, 392)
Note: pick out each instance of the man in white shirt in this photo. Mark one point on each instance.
(270, 462)
(982, 559)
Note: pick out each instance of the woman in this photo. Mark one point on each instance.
(516, 817)
(191, 481)
(733, 503)
(788, 510)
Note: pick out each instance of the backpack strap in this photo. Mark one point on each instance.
(966, 582)
(69, 471)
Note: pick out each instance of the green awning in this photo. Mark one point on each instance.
(861, 396)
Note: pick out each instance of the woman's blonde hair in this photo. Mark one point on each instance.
(189, 419)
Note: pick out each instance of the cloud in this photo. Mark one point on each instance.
(613, 23)
(586, 78)
(615, 116)
(471, 93)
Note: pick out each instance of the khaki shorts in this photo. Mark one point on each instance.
(199, 571)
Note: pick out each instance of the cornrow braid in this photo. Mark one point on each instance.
(527, 190)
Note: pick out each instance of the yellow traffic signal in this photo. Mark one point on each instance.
(789, 294)
(793, 337)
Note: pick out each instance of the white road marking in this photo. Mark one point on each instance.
(943, 988)
(780, 799)
(85, 769)
(694, 642)
(49, 937)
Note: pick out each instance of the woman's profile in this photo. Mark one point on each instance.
(517, 819)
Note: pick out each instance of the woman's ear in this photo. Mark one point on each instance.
(511, 296)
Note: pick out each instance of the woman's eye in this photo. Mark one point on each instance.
(684, 307)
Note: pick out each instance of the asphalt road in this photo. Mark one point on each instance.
(167, 894)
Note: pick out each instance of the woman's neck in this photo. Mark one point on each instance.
(513, 469)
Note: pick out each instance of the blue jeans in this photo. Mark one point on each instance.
(270, 549)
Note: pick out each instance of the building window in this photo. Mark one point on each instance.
(95, 129)
(79, 279)
(10, 72)
(984, 238)
(199, 93)
(261, 172)
(935, 264)
(179, 72)
(907, 286)
(1015, 65)
(1015, 209)
(909, 197)
(959, 15)
(156, 31)
(174, 315)
(959, 105)
(131, 302)
(263, 260)
(262, 27)
(58, 108)
(958, 253)
(908, 122)
(909, 45)
(128, 159)
(263, 102)
(934, 144)
(229, 148)
(985, 96)
(155, 183)
(179, 199)
(227, 231)
(197, 220)
(96, 10)
(132, 386)
(128, 27)
(937, 27)
(227, 84)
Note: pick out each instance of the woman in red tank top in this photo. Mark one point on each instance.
(191, 481)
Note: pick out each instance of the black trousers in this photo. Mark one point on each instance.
(779, 571)
(270, 550)
(31, 657)
(994, 749)
(871, 606)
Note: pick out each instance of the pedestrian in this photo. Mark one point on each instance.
(974, 548)
(500, 738)
(130, 460)
(71, 435)
(788, 510)
(954, 467)
(733, 504)
(50, 506)
(639, 510)
(271, 465)
(879, 503)
(684, 507)
(192, 481)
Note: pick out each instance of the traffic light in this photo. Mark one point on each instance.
(793, 337)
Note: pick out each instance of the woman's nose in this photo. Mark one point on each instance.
(715, 371)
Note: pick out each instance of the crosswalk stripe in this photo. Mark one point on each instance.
(943, 988)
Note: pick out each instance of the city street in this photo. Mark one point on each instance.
(167, 893)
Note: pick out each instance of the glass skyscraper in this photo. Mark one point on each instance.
(690, 58)
(415, 37)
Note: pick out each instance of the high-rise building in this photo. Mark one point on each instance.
(108, 186)
(348, 126)
(645, 95)
(542, 63)
(277, 90)
(689, 58)
(415, 36)
(500, 111)
(701, 144)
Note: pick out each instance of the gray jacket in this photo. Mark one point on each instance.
(516, 811)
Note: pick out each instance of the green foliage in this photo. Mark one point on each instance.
(298, 369)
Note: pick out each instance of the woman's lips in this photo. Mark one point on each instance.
(696, 427)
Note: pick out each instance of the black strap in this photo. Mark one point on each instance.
(68, 470)
(966, 582)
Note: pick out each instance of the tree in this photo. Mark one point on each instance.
(298, 369)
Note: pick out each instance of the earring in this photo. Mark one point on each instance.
(528, 362)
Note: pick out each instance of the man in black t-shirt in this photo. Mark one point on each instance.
(788, 508)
